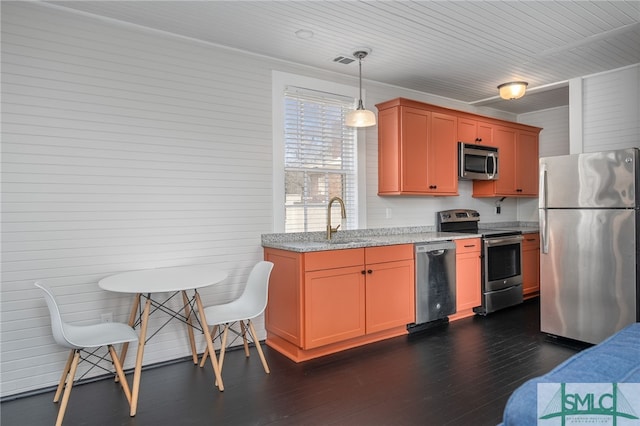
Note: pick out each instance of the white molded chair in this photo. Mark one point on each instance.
(80, 337)
(251, 303)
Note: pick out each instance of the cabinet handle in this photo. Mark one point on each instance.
(518, 190)
(478, 139)
(433, 186)
(469, 245)
(363, 272)
(369, 271)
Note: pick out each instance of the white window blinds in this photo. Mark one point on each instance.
(320, 160)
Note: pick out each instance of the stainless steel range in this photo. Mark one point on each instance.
(501, 259)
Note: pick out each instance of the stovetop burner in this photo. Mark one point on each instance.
(466, 222)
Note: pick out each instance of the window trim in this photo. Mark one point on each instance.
(280, 80)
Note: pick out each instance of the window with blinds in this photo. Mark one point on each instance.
(320, 160)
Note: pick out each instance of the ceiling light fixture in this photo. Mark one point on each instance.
(360, 117)
(513, 89)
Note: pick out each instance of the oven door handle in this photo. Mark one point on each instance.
(492, 242)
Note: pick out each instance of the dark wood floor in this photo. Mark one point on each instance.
(459, 374)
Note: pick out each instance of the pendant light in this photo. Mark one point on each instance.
(513, 89)
(360, 117)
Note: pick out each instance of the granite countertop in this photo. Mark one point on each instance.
(303, 242)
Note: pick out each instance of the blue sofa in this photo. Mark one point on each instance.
(614, 360)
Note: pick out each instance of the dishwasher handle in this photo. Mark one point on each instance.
(438, 252)
(439, 247)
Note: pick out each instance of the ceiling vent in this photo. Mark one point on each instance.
(344, 59)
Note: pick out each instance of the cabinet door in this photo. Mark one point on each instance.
(474, 132)
(414, 134)
(283, 313)
(505, 140)
(467, 130)
(390, 295)
(468, 274)
(527, 164)
(442, 155)
(334, 302)
(531, 264)
(388, 151)
(485, 133)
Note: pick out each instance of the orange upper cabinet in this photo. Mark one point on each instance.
(475, 131)
(416, 150)
(443, 155)
(527, 163)
(518, 164)
(414, 154)
(418, 155)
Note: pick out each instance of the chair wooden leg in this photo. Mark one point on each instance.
(213, 332)
(132, 321)
(121, 377)
(68, 386)
(257, 343)
(137, 372)
(243, 330)
(192, 340)
(63, 378)
(223, 346)
(209, 340)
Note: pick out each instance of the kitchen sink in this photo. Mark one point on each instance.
(339, 242)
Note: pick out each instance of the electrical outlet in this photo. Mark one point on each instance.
(388, 213)
(108, 317)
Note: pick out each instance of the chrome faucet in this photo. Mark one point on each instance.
(330, 230)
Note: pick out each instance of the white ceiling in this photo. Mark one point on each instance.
(456, 49)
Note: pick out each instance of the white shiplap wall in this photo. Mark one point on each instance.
(611, 110)
(122, 149)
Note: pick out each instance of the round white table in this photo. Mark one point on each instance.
(178, 279)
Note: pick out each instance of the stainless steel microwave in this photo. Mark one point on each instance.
(479, 162)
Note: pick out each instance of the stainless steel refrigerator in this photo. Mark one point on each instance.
(589, 244)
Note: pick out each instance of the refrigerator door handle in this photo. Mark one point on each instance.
(544, 232)
(544, 225)
(543, 187)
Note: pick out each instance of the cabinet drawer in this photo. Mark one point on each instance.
(388, 253)
(468, 245)
(331, 259)
(530, 241)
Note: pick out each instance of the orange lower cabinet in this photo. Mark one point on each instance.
(531, 265)
(325, 302)
(334, 306)
(468, 277)
(390, 295)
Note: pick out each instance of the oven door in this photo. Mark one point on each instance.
(502, 262)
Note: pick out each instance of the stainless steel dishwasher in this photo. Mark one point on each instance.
(435, 281)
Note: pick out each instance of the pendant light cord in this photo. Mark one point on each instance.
(360, 56)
